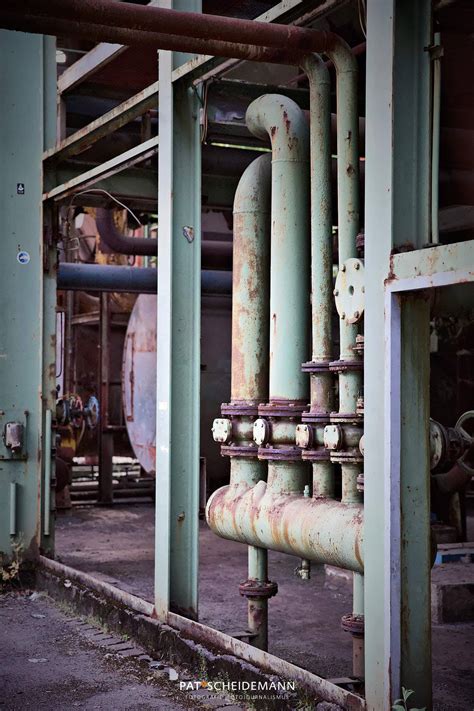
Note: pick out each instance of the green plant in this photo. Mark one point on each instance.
(10, 568)
(401, 704)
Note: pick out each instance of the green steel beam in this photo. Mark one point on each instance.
(178, 333)
(26, 361)
(397, 212)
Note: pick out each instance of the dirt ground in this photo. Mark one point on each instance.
(51, 660)
(117, 545)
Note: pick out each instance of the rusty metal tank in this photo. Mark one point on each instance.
(139, 380)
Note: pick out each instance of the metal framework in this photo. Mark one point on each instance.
(397, 211)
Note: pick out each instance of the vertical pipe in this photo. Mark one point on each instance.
(106, 445)
(13, 526)
(321, 379)
(249, 378)
(350, 379)
(258, 606)
(435, 142)
(47, 472)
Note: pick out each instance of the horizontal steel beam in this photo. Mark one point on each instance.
(111, 121)
(125, 160)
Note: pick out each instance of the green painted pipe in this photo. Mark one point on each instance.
(322, 530)
(280, 118)
(251, 284)
(249, 376)
(322, 390)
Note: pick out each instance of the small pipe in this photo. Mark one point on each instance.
(435, 144)
(98, 277)
(321, 382)
(13, 492)
(257, 607)
(47, 471)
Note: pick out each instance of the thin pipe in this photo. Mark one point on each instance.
(435, 143)
(47, 472)
(13, 524)
(257, 607)
(321, 383)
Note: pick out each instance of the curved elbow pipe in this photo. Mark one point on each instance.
(284, 122)
(215, 255)
(322, 530)
(118, 242)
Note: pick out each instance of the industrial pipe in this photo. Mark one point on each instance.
(249, 375)
(282, 120)
(138, 280)
(214, 254)
(349, 366)
(322, 530)
(132, 24)
(321, 378)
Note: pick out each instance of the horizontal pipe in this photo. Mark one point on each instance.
(322, 530)
(207, 28)
(214, 255)
(98, 277)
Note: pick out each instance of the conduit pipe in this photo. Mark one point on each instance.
(99, 277)
(249, 376)
(310, 434)
(166, 29)
(349, 367)
(214, 254)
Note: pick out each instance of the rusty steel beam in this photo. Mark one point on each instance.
(129, 24)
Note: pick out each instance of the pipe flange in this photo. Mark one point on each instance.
(258, 589)
(222, 430)
(353, 624)
(354, 418)
(247, 452)
(349, 291)
(347, 457)
(360, 483)
(239, 409)
(346, 366)
(316, 455)
(316, 418)
(315, 366)
(288, 409)
(279, 454)
(304, 436)
(261, 431)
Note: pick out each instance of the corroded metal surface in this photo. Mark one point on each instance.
(139, 380)
(325, 531)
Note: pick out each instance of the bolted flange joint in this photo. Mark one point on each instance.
(274, 431)
(258, 589)
(342, 440)
(234, 429)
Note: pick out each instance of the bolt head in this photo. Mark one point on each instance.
(343, 268)
(336, 292)
(343, 316)
(356, 314)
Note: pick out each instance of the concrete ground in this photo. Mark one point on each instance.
(117, 545)
(51, 660)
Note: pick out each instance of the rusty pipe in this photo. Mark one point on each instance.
(322, 530)
(283, 121)
(214, 254)
(164, 21)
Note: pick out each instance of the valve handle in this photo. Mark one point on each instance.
(469, 439)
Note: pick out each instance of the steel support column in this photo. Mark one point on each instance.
(397, 212)
(178, 336)
(26, 327)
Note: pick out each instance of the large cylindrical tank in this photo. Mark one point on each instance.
(139, 379)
